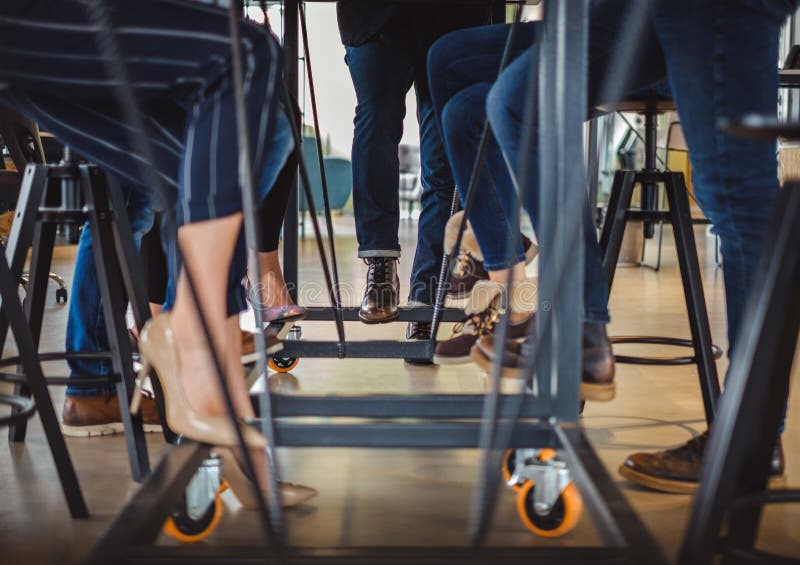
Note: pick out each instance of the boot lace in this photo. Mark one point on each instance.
(463, 265)
(379, 273)
(480, 323)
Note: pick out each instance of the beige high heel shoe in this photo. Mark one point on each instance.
(242, 485)
(158, 351)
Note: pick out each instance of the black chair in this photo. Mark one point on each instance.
(679, 217)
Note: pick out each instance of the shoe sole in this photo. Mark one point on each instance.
(285, 324)
(253, 357)
(671, 486)
(378, 321)
(674, 486)
(598, 392)
(589, 391)
(445, 360)
(486, 364)
(421, 362)
(103, 430)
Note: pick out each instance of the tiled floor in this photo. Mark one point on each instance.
(398, 497)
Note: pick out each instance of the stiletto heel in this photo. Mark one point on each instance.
(242, 485)
(136, 401)
(157, 349)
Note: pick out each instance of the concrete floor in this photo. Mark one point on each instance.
(399, 497)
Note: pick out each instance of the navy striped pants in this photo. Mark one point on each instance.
(177, 55)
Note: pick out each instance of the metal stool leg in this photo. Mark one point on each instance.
(101, 218)
(615, 222)
(44, 239)
(38, 387)
(681, 219)
(34, 186)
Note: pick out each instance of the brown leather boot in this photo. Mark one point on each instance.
(597, 382)
(381, 300)
(677, 470)
(87, 416)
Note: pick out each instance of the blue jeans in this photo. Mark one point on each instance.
(86, 328)
(383, 70)
(463, 68)
(710, 51)
(719, 57)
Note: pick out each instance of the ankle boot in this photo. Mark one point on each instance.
(381, 303)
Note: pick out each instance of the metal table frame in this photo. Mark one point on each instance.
(492, 422)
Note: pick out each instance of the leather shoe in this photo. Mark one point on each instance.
(597, 379)
(87, 416)
(677, 470)
(381, 302)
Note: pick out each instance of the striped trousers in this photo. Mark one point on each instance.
(177, 55)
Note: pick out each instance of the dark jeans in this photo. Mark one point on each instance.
(383, 70)
(463, 67)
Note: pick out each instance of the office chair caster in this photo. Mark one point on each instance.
(548, 502)
(199, 511)
(61, 291)
(282, 364)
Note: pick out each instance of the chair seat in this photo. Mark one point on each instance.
(641, 105)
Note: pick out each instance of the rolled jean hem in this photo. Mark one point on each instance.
(499, 265)
(87, 391)
(379, 253)
(597, 318)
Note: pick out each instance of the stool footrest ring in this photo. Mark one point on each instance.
(24, 409)
(659, 340)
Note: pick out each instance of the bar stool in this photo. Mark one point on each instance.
(679, 217)
(39, 211)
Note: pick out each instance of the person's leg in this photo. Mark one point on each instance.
(505, 110)
(94, 410)
(721, 61)
(274, 291)
(382, 73)
(462, 67)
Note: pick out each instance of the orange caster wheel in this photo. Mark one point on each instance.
(187, 529)
(558, 520)
(283, 364)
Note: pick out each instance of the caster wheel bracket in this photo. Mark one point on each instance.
(551, 478)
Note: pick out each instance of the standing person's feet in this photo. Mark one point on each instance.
(597, 380)
(677, 470)
(381, 299)
(87, 416)
(419, 331)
